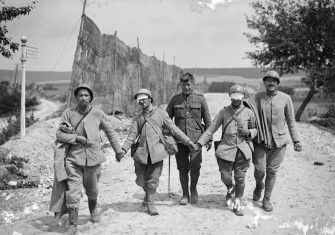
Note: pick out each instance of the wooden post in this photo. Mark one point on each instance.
(115, 61)
(23, 87)
(139, 64)
(163, 74)
(71, 88)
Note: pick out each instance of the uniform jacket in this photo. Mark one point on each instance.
(150, 143)
(91, 154)
(283, 120)
(180, 107)
(231, 141)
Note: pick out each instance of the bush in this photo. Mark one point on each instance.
(10, 98)
(50, 87)
(220, 87)
(13, 127)
(287, 89)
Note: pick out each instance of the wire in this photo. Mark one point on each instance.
(70, 37)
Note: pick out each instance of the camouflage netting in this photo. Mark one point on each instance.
(116, 73)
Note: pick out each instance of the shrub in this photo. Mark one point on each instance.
(13, 127)
(220, 86)
(287, 89)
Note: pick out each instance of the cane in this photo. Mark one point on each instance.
(169, 177)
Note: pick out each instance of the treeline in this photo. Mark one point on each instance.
(10, 98)
(223, 87)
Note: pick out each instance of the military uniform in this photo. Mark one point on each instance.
(188, 112)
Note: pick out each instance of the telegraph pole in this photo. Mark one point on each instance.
(23, 86)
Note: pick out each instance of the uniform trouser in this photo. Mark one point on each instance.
(78, 176)
(240, 167)
(148, 175)
(267, 161)
(187, 160)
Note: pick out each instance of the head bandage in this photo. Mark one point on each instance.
(141, 97)
(236, 96)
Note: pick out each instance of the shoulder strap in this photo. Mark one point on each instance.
(233, 117)
(196, 120)
(75, 128)
(156, 128)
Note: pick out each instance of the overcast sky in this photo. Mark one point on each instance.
(197, 34)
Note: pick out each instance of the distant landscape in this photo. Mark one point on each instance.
(36, 76)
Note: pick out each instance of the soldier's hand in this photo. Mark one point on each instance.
(209, 145)
(297, 147)
(120, 155)
(243, 132)
(81, 139)
(191, 146)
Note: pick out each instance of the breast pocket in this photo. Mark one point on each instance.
(178, 111)
(196, 110)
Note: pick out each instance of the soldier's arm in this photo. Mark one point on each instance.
(133, 133)
(290, 119)
(168, 124)
(205, 113)
(169, 108)
(208, 135)
(252, 125)
(111, 134)
(62, 136)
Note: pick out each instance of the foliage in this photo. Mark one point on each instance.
(292, 36)
(49, 87)
(9, 13)
(287, 89)
(13, 127)
(220, 86)
(10, 98)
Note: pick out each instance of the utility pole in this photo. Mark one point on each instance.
(23, 86)
(139, 64)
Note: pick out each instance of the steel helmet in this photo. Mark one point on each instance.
(236, 92)
(145, 92)
(272, 74)
(84, 86)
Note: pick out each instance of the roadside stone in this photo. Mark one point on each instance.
(12, 183)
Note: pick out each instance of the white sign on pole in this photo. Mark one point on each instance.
(32, 52)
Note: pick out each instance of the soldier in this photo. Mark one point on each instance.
(188, 109)
(274, 115)
(84, 157)
(150, 152)
(233, 151)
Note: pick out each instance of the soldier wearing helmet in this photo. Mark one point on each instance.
(275, 121)
(189, 108)
(150, 153)
(233, 152)
(84, 157)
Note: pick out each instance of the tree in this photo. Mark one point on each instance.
(295, 35)
(8, 13)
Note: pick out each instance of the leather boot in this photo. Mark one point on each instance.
(92, 206)
(183, 177)
(73, 218)
(195, 173)
(152, 210)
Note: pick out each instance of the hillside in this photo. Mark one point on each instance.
(242, 72)
(36, 76)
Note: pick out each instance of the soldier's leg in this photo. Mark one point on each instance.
(195, 165)
(73, 195)
(183, 168)
(241, 166)
(274, 159)
(152, 174)
(91, 179)
(225, 168)
(259, 161)
(140, 170)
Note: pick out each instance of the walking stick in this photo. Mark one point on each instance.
(169, 177)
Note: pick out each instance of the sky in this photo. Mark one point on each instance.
(198, 33)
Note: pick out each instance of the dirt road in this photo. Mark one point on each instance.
(304, 197)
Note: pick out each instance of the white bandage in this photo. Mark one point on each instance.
(236, 96)
(141, 97)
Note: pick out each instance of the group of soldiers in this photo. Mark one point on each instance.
(254, 129)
